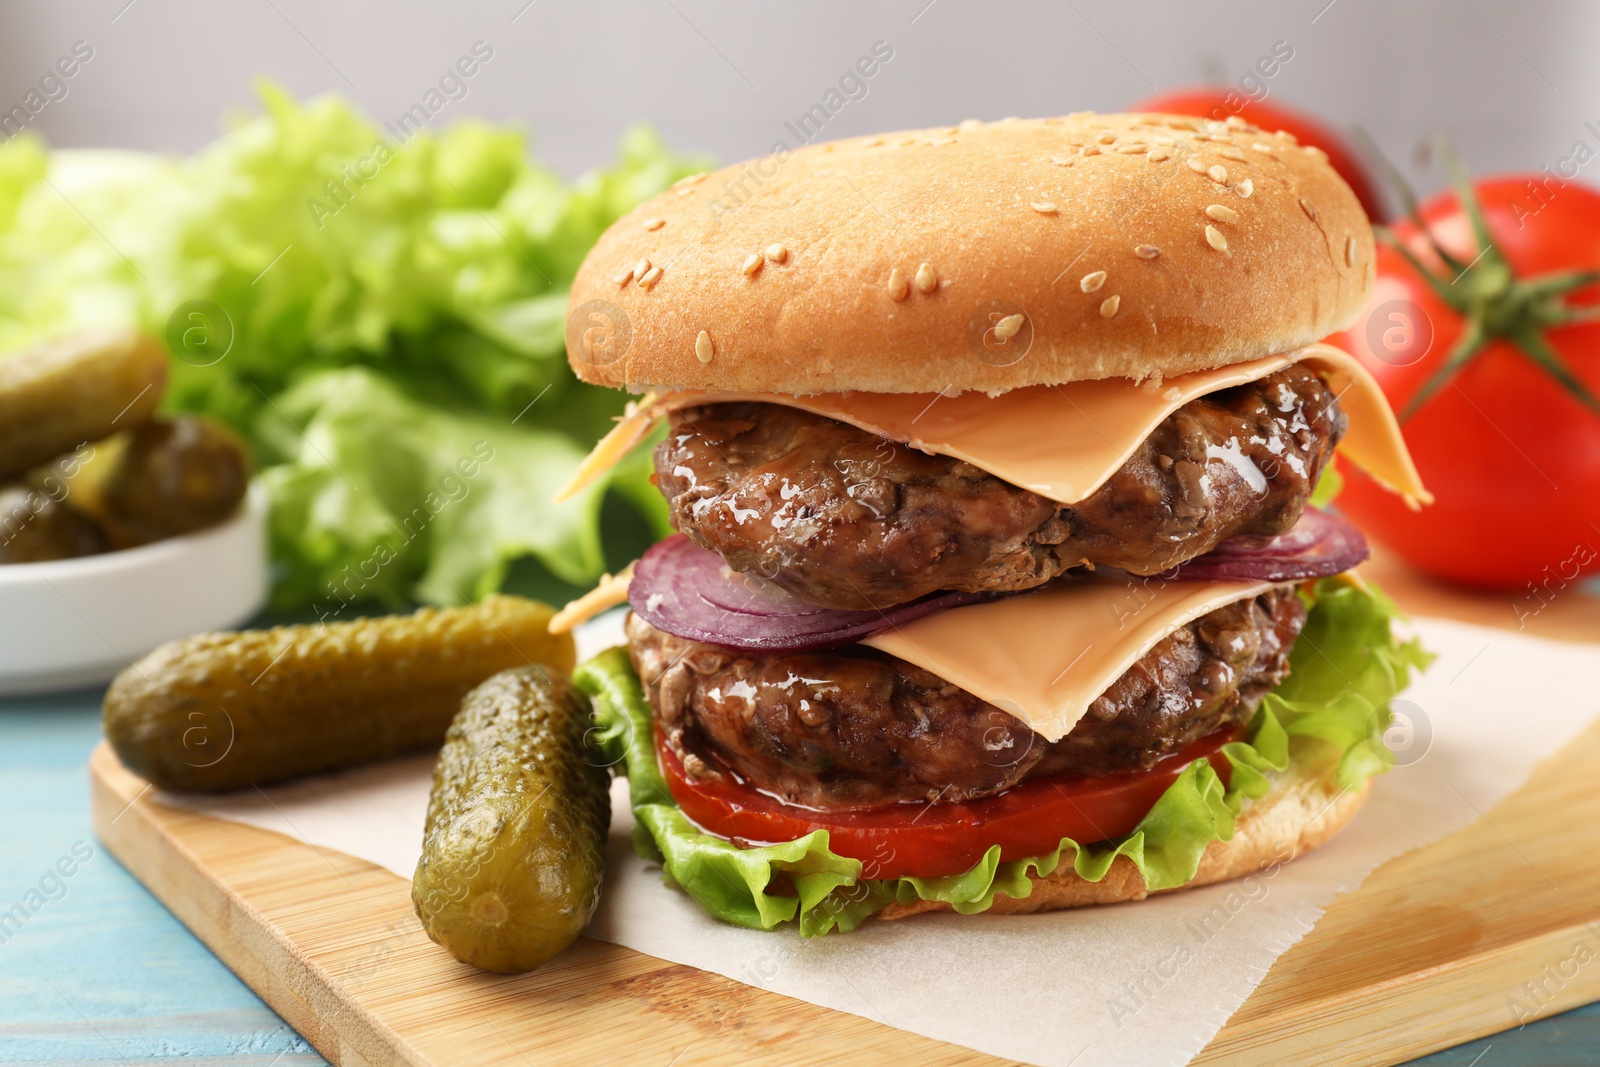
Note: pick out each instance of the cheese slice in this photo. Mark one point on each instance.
(1044, 657)
(638, 419)
(1064, 441)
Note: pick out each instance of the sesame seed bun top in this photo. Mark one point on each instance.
(984, 256)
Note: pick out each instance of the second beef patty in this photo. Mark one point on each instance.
(847, 519)
(853, 727)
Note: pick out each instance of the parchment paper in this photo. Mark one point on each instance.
(1147, 983)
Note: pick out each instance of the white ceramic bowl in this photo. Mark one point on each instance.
(71, 623)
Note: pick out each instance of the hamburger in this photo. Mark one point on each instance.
(994, 454)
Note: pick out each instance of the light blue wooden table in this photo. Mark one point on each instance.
(101, 973)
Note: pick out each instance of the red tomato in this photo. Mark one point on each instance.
(1220, 102)
(930, 840)
(1512, 456)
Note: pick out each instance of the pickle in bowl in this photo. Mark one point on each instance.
(36, 527)
(63, 393)
(163, 479)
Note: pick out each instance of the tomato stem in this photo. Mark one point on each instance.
(1493, 302)
(1536, 347)
(1467, 196)
(1473, 338)
(1572, 315)
(1408, 201)
(1439, 285)
(1561, 282)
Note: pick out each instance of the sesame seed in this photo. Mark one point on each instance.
(1235, 122)
(927, 281)
(1219, 174)
(649, 278)
(1311, 212)
(1146, 251)
(1261, 146)
(1043, 207)
(1133, 148)
(971, 124)
(1231, 152)
(873, 142)
(1007, 328)
(898, 288)
(1162, 139)
(752, 263)
(1092, 281)
(690, 179)
(654, 224)
(640, 268)
(1222, 214)
(1287, 136)
(1313, 150)
(777, 253)
(1106, 138)
(1350, 251)
(1197, 164)
(624, 278)
(686, 190)
(1160, 155)
(1108, 306)
(702, 347)
(1215, 239)
(1245, 188)
(906, 141)
(1091, 150)
(951, 129)
(1061, 161)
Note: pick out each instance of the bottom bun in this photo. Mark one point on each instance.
(1299, 814)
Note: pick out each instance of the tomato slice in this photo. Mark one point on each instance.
(930, 840)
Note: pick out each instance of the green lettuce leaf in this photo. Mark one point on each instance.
(1328, 716)
(1329, 486)
(313, 241)
(380, 495)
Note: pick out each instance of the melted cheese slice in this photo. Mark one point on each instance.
(1044, 657)
(1062, 442)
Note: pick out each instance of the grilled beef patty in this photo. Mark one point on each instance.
(847, 519)
(854, 727)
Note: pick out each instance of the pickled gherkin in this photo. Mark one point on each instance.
(513, 852)
(35, 527)
(56, 396)
(229, 710)
(173, 477)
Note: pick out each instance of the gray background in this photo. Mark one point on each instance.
(1511, 83)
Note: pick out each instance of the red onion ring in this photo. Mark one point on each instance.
(689, 592)
(1319, 545)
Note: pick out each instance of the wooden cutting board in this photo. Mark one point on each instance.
(1428, 953)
